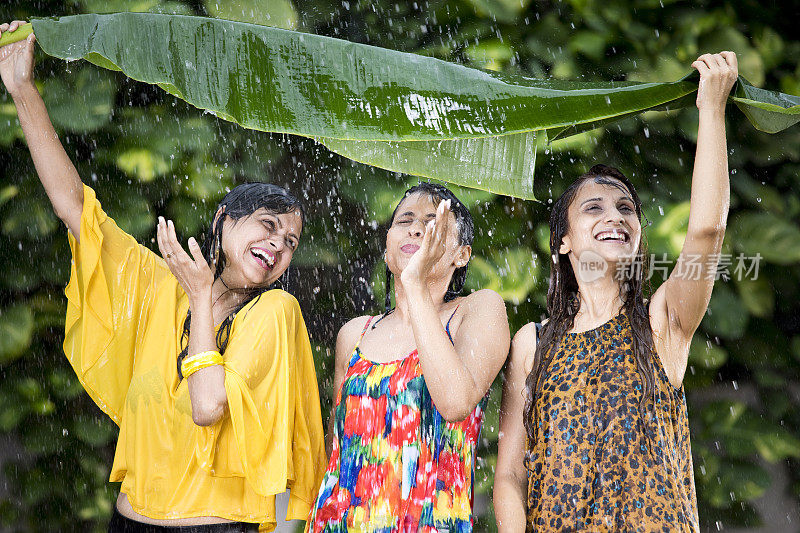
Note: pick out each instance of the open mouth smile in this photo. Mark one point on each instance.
(618, 236)
(264, 257)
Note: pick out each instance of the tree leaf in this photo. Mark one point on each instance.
(10, 129)
(338, 92)
(511, 273)
(94, 431)
(776, 239)
(16, 330)
(502, 10)
(737, 481)
(724, 316)
(143, 164)
(722, 415)
(757, 295)
(705, 354)
(32, 218)
(133, 214)
(777, 445)
(82, 102)
(669, 233)
(7, 193)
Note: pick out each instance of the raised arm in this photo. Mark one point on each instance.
(457, 374)
(206, 386)
(679, 304)
(510, 476)
(56, 172)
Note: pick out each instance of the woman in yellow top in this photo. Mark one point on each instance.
(202, 363)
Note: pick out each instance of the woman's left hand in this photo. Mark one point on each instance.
(193, 273)
(718, 73)
(431, 248)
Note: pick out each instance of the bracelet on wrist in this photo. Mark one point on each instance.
(199, 361)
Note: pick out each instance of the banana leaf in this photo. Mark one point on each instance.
(394, 110)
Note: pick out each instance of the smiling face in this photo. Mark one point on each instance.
(259, 247)
(404, 236)
(603, 224)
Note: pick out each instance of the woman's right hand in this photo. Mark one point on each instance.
(16, 61)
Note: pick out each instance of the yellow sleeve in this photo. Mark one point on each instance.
(272, 435)
(112, 281)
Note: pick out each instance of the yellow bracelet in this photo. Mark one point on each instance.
(200, 361)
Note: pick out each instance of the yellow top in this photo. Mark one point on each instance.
(125, 316)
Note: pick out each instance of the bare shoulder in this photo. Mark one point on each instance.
(523, 346)
(348, 336)
(525, 338)
(485, 302)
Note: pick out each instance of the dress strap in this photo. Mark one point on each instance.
(363, 332)
(447, 326)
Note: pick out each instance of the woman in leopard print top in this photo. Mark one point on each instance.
(593, 431)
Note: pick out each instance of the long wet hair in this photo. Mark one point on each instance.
(466, 234)
(563, 300)
(241, 202)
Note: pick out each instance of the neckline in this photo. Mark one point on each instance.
(601, 326)
(360, 355)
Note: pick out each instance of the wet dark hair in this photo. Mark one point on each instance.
(466, 234)
(563, 300)
(239, 203)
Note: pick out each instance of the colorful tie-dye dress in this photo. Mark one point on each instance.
(601, 462)
(396, 465)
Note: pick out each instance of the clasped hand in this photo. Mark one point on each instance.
(718, 73)
(192, 272)
(433, 246)
(16, 60)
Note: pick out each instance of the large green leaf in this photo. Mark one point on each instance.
(502, 164)
(411, 113)
(768, 110)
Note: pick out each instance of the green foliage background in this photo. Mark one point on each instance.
(147, 153)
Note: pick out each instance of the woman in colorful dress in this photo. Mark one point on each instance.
(411, 384)
(593, 431)
(200, 359)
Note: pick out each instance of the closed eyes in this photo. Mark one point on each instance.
(623, 208)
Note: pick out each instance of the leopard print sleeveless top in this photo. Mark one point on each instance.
(602, 461)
